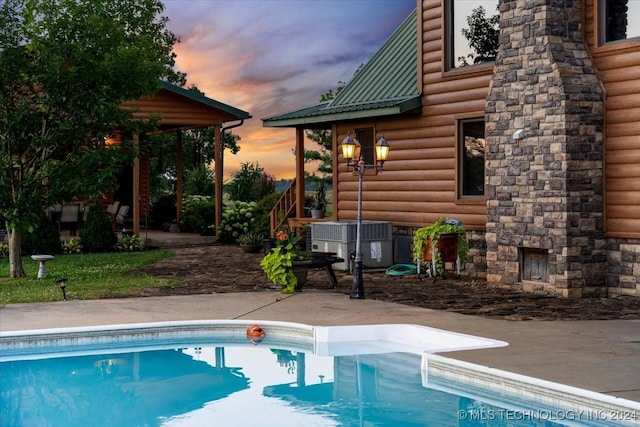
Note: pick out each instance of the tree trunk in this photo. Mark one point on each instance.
(15, 255)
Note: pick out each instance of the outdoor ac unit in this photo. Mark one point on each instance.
(340, 238)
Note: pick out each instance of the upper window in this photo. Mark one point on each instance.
(472, 32)
(471, 149)
(620, 20)
(365, 137)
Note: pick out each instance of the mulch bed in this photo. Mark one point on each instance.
(223, 268)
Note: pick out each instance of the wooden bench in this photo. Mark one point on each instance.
(323, 260)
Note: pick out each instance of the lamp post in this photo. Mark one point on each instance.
(351, 152)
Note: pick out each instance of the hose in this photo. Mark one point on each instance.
(401, 270)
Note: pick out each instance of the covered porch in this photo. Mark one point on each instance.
(178, 109)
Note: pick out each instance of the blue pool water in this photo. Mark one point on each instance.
(217, 378)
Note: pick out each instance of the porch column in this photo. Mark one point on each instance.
(178, 176)
(218, 173)
(136, 185)
(300, 173)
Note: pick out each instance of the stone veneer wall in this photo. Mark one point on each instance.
(624, 267)
(544, 191)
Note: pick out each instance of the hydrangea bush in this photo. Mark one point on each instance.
(237, 218)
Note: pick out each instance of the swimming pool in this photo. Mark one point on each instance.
(209, 373)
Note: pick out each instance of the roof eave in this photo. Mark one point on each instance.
(194, 96)
(324, 119)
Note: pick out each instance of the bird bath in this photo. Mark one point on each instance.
(42, 259)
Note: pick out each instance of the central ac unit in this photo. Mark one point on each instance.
(340, 238)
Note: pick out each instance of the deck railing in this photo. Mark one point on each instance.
(283, 209)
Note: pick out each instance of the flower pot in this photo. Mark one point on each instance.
(267, 245)
(447, 246)
(301, 275)
(317, 213)
(250, 249)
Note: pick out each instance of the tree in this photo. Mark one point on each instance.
(67, 67)
(322, 137)
(483, 36)
(251, 183)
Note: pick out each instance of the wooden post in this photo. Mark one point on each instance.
(218, 174)
(136, 186)
(300, 173)
(179, 176)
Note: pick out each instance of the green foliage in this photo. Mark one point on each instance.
(319, 200)
(44, 238)
(197, 212)
(237, 218)
(91, 276)
(4, 249)
(322, 137)
(250, 183)
(67, 67)
(251, 238)
(198, 181)
(198, 149)
(97, 233)
(433, 232)
(277, 264)
(72, 246)
(483, 36)
(130, 243)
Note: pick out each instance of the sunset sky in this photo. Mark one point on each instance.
(271, 56)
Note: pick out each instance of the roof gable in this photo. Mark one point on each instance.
(386, 85)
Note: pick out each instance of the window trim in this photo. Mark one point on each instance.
(448, 52)
(600, 27)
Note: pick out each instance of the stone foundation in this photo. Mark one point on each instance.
(623, 276)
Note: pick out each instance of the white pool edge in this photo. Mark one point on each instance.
(462, 378)
(437, 371)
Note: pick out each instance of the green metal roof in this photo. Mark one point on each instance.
(195, 96)
(386, 85)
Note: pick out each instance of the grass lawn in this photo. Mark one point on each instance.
(90, 276)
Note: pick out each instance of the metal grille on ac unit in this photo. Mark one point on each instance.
(340, 238)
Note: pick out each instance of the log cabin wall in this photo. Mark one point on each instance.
(618, 67)
(418, 184)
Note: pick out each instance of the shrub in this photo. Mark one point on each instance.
(130, 243)
(4, 249)
(43, 239)
(97, 233)
(198, 212)
(251, 183)
(237, 218)
(72, 246)
(198, 180)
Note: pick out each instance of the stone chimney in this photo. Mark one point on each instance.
(544, 167)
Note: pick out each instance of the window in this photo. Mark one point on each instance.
(365, 137)
(472, 32)
(471, 149)
(620, 20)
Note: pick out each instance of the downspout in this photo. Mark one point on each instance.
(219, 162)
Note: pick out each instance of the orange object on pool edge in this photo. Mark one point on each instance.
(255, 331)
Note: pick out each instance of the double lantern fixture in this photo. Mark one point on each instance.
(351, 151)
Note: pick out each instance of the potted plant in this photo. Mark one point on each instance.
(443, 241)
(279, 263)
(250, 242)
(318, 204)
